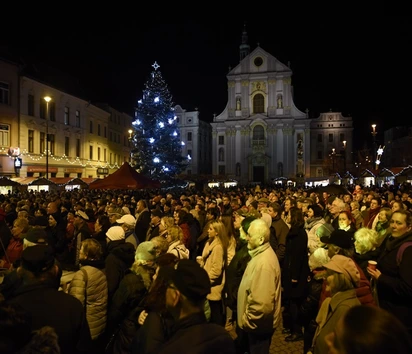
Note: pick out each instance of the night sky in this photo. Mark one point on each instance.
(358, 67)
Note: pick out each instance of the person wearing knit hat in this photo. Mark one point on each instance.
(146, 251)
(120, 257)
(115, 233)
(342, 278)
(127, 219)
(128, 222)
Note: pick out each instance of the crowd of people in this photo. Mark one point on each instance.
(168, 271)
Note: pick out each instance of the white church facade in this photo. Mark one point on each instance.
(261, 135)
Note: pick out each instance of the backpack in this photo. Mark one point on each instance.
(401, 250)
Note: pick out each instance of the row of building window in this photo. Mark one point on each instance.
(52, 145)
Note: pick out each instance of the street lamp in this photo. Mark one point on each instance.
(374, 132)
(344, 156)
(47, 99)
(333, 159)
(130, 131)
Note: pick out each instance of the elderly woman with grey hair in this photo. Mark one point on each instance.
(366, 247)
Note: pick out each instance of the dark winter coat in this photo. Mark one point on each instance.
(153, 334)
(63, 312)
(142, 225)
(395, 283)
(5, 237)
(362, 259)
(194, 335)
(234, 273)
(295, 265)
(310, 306)
(120, 257)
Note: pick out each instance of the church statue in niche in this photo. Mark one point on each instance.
(238, 103)
(279, 101)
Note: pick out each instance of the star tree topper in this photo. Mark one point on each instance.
(156, 66)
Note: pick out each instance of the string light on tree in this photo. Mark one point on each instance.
(157, 137)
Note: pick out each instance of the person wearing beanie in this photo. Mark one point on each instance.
(128, 222)
(120, 257)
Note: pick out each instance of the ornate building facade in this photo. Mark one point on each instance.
(261, 135)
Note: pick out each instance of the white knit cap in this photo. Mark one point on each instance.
(115, 233)
(127, 219)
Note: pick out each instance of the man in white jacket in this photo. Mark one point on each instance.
(259, 294)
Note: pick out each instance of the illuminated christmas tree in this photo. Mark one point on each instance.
(157, 146)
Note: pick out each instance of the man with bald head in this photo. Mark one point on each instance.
(259, 294)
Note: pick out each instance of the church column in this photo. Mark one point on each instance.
(307, 153)
(272, 132)
(287, 97)
(231, 98)
(245, 99)
(245, 152)
(288, 152)
(271, 97)
(214, 152)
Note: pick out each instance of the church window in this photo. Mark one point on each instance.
(258, 104)
(258, 135)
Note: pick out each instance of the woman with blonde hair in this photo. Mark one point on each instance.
(174, 238)
(214, 261)
(165, 223)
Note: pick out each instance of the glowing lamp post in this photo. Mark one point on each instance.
(47, 99)
(344, 156)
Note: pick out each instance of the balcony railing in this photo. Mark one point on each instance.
(258, 142)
